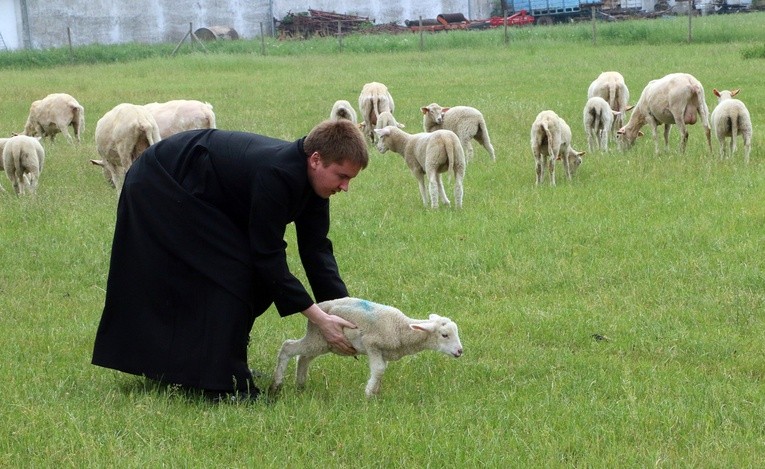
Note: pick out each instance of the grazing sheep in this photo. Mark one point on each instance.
(53, 114)
(374, 99)
(676, 98)
(3, 141)
(23, 159)
(181, 114)
(598, 120)
(467, 122)
(551, 141)
(342, 109)
(122, 134)
(385, 119)
(730, 117)
(611, 87)
(383, 333)
(428, 154)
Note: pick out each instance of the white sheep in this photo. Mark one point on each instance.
(676, 98)
(181, 114)
(465, 121)
(383, 333)
(342, 109)
(729, 118)
(598, 118)
(122, 134)
(53, 114)
(612, 87)
(551, 141)
(373, 99)
(385, 119)
(23, 159)
(428, 154)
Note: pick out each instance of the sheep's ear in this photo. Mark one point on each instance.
(580, 153)
(717, 93)
(423, 326)
(629, 108)
(382, 132)
(97, 162)
(424, 110)
(400, 125)
(640, 133)
(362, 125)
(735, 92)
(620, 131)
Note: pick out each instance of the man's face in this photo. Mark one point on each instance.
(329, 180)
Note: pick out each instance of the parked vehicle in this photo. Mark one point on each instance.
(553, 11)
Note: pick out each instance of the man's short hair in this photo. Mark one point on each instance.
(337, 141)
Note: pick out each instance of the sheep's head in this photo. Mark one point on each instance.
(382, 136)
(626, 137)
(444, 336)
(434, 112)
(725, 94)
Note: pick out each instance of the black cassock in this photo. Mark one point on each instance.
(199, 253)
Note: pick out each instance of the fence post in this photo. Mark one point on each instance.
(340, 35)
(422, 39)
(690, 14)
(262, 40)
(592, 15)
(504, 22)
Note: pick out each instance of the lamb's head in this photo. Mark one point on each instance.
(434, 112)
(443, 335)
(725, 94)
(382, 138)
(574, 159)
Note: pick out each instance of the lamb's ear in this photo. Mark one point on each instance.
(734, 92)
(429, 326)
(382, 132)
(629, 108)
(717, 93)
(424, 110)
(400, 125)
(444, 109)
(97, 162)
(640, 133)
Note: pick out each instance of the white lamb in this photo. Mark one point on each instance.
(54, 114)
(342, 109)
(676, 98)
(373, 99)
(598, 120)
(385, 119)
(467, 122)
(428, 154)
(729, 118)
(611, 87)
(23, 159)
(122, 134)
(551, 141)
(181, 114)
(383, 333)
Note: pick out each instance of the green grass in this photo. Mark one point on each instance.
(662, 254)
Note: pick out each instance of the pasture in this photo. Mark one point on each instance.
(616, 320)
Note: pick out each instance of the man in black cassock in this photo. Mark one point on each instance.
(199, 251)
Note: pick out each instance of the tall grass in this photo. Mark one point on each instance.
(660, 255)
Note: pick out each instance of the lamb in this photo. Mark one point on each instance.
(385, 119)
(181, 114)
(676, 98)
(122, 134)
(598, 120)
(23, 159)
(428, 154)
(467, 122)
(730, 117)
(342, 109)
(54, 114)
(374, 99)
(611, 87)
(551, 141)
(383, 333)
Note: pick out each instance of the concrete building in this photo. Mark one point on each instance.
(40, 24)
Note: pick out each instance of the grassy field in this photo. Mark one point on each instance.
(660, 254)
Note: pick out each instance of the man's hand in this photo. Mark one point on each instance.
(331, 328)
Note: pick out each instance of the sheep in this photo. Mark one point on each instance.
(428, 154)
(385, 119)
(23, 159)
(611, 87)
(373, 99)
(181, 114)
(122, 134)
(598, 120)
(383, 333)
(467, 122)
(551, 141)
(676, 98)
(342, 109)
(53, 114)
(730, 117)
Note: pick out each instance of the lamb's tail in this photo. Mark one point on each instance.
(613, 96)
(550, 150)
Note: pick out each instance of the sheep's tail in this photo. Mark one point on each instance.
(550, 141)
(613, 96)
(703, 112)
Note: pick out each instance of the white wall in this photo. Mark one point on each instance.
(9, 25)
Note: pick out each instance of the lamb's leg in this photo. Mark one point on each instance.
(551, 170)
(377, 365)
(286, 352)
(540, 167)
(747, 146)
(433, 188)
(458, 190)
(441, 190)
(301, 375)
(421, 182)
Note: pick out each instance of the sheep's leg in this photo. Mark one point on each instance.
(539, 169)
(483, 138)
(420, 175)
(590, 139)
(282, 360)
(747, 146)
(551, 170)
(377, 365)
(567, 165)
(441, 190)
(433, 188)
(604, 139)
(733, 137)
(301, 375)
(469, 151)
(458, 190)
